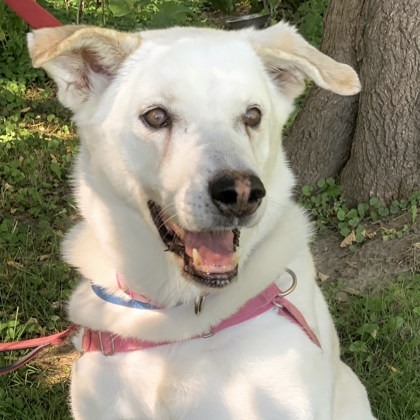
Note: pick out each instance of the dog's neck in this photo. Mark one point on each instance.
(132, 247)
(179, 322)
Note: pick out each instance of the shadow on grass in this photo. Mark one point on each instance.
(38, 391)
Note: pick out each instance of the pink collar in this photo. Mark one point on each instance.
(272, 296)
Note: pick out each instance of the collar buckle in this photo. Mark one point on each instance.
(107, 341)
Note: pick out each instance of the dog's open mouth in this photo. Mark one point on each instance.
(209, 257)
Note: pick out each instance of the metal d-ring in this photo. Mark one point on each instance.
(293, 285)
(209, 334)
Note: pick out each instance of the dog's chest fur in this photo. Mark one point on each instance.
(188, 380)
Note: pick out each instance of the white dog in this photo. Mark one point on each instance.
(189, 241)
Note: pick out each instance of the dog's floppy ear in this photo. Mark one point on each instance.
(81, 59)
(290, 59)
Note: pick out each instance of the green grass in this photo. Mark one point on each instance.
(37, 144)
(26, 399)
(380, 340)
(379, 333)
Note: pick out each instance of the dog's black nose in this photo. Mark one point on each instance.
(236, 193)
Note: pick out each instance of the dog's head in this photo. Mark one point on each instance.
(191, 119)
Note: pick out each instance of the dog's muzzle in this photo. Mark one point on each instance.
(209, 257)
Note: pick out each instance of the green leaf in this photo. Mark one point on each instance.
(344, 231)
(375, 202)
(383, 211)
(394, 209)
(413, 211)
(341, 215)
(359, 234)
(396, 323)
(334, 191)
(170, 14)
(321, 183)
(307, 190)
(354, 221)
(352, 214)
(358, 347)
(55, 167)
(371, 329)
(120, 7)
(361, 208)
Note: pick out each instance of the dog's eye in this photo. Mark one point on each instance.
(156, 118)
(252, 117)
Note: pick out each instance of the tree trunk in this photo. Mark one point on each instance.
(319, 142)
(371, 142)
(385, 157)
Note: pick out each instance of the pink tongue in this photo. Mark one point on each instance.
(215, 249)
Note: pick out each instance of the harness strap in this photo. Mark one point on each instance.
(290, 311)
(109, 343)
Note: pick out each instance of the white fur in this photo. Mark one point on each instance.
(265, 368)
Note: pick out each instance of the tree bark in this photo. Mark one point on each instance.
(370, 141)
(385, 156)
(319, 142)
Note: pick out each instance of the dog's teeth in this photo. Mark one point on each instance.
(235, 258)
(179, 231)
(196, 257)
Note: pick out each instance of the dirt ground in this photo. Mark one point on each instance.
(372, 265)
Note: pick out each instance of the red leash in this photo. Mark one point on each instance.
(33, 14)
(39, 343)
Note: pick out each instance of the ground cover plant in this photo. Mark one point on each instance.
(378, 321)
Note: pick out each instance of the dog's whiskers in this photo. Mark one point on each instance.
(167, 219)
(163, 209)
